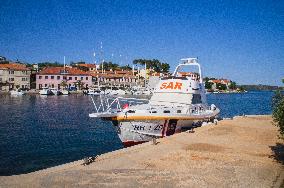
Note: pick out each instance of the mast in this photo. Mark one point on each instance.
(102, 57)
(64, 64)
(145, 74)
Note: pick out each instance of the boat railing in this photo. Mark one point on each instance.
(105, 104)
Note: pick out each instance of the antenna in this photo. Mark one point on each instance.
(102, 57)
(64, 63)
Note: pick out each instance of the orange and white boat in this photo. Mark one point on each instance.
(179, 101)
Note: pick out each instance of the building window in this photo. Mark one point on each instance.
(45, 85)
(81, 78)
(52, 77)
(0, 79)
(87, 78)
(46, 77)
(64, 78)
(70, 78)
(23, 79)
(52, 85)
(39, 77)
(58, 77)
(11, 72)
(40, 86)
(75, 78)
(11, 79)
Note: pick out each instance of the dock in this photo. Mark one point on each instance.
(242, 152)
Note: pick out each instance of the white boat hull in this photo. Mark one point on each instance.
(17, 92)
(135, 132)
(44, 92)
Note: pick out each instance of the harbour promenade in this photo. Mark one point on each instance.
(243, 152)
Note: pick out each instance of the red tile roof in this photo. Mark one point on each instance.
(215, 81)
(60, 70)
(88, 65)
(14, 66)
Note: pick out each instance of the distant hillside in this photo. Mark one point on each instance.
(260, 87)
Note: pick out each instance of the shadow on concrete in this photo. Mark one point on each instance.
(278, 152)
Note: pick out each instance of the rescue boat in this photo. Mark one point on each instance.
(178, 102)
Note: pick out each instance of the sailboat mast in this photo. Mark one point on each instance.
(64, 63)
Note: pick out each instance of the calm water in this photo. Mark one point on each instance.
(37, 132)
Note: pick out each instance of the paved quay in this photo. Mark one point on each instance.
(243, 152)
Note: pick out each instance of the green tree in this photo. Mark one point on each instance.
(155, 64)
(109, 65)
(79, 84)
(64, 84)
(278, 111)
(208, 85)
(126, 67)
(221, 86)
(233, 85)
(165, 67)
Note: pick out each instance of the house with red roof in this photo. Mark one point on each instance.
(225, 82)
(60, 77)
(14, 75)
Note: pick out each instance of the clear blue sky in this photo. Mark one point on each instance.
(239, 40)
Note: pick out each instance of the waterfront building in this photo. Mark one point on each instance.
(14, 75)
(225, 82)
(114, 78)
(60, 77)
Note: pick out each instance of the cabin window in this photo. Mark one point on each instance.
(153, 112)
(179, 111)
(167, 111)
(131, 111)
(196, 99)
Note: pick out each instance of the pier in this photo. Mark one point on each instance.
(242, 152)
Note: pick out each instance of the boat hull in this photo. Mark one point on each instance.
(136, 132)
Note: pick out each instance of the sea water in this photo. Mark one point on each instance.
(38, 132)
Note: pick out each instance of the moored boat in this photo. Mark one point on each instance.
(45, 91)
(55, 91)
(178, 102)
(17, 92)
(64, 92)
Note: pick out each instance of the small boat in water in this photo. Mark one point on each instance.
(94, 91)
(55, 91)
(115, 91)
(17, 92)
(64, 92)
(178, 102)
(45, 91)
